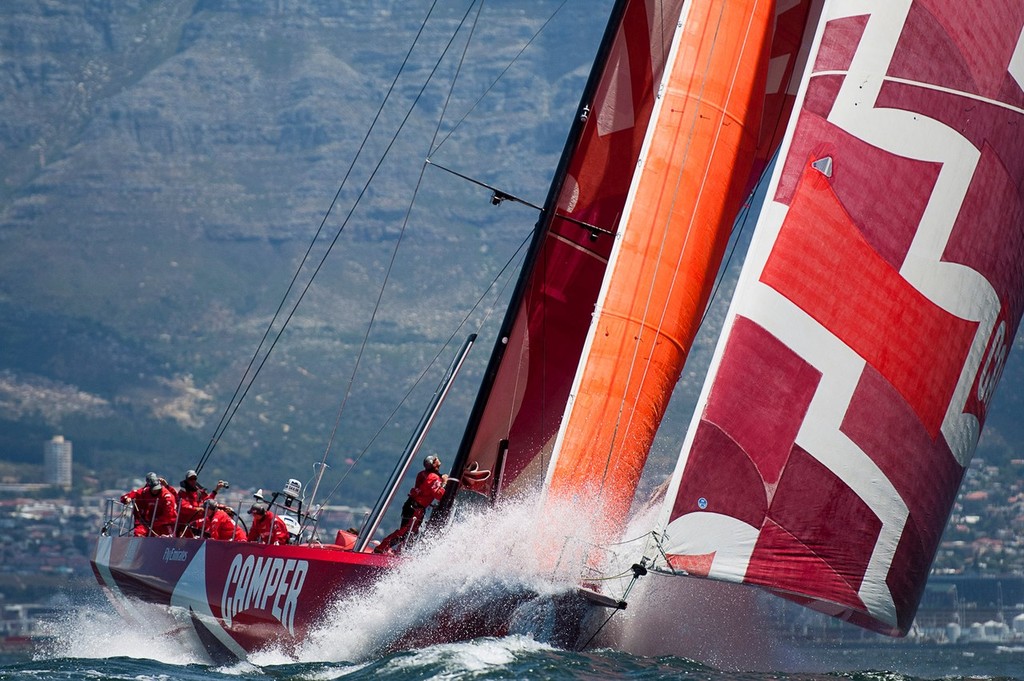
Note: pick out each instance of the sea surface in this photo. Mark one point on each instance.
(522, 658)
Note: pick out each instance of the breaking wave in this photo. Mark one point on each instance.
(92, 630)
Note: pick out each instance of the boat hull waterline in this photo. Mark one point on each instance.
(240, 598)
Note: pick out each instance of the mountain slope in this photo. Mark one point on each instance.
(165, 167)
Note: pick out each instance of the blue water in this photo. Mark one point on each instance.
(522, 658)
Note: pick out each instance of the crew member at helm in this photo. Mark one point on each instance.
(429, 486)
(155, 507)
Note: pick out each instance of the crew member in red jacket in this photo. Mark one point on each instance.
(219, 523)
(155, 507)
(429, 486)
(191, 497)
(267, 527)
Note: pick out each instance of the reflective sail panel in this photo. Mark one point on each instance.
(872, 319)
(689, 186)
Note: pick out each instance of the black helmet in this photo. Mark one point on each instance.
(430, 461)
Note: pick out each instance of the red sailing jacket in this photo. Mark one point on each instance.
(429, 487)
(268, 529)
(192, 503)
(157, 511)
(222, 526)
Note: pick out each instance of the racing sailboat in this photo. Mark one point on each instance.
(871, 322)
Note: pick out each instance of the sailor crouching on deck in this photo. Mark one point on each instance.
(429, 486)
(217, 522)
(267, 527)
(155, 507)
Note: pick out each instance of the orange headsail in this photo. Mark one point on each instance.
(688, 189)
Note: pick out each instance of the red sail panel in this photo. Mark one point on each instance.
(880, 296)
(536, 361)
(688, 191)
(794, 26)
(918, 346)
(528, 396)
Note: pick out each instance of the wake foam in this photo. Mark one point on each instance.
(94, 631)
(470, 656)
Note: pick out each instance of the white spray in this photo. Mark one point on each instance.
(95, 631)
(484, 557)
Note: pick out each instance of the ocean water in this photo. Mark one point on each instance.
(519, 657)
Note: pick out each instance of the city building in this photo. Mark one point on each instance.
(57, 461)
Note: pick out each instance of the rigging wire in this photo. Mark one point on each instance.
(412, 388)
(249, 375)
(455, 78)
(490, 87)
(499, 276)
(387, 276)
(239, 393)
(398, 241)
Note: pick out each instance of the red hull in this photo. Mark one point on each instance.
(240, 597)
